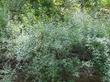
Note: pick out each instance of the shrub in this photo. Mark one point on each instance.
(55, 52)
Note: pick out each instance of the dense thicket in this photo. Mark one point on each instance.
(54, 41)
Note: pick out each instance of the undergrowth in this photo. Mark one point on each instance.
(54, 52)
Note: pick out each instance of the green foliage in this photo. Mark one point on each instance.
(51, 8)
(106, 3)
(48, 49)
(36, 46)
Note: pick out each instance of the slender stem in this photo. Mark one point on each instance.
(82, 5)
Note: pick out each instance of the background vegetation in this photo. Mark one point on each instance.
(54, 41)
